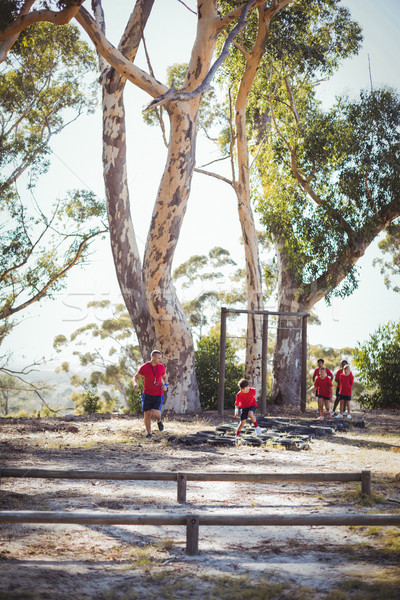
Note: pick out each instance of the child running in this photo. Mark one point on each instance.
(323, 387)
(246, 402)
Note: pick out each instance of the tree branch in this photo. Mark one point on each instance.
(210, 174)
(26, 19)
(173, 95)
(116, 59)
(7, 312)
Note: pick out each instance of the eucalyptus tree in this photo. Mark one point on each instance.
(46, 81)
(390, 267)
(334, 186)
(114, 355)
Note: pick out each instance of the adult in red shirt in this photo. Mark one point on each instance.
(323, 386)
(320, 363)
(346, 381)
(338, 373)
(155, 382)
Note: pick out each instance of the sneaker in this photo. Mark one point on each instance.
(160, 425)
(149, 436)
(328, 414)
(339, 416)
(258, 431)
(333, 414)
(319, 418)
(349, 416)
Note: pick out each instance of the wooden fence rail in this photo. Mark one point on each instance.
(183, 477)
(193, 521)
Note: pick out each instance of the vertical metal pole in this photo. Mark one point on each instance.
(366, 482)
(181, 479)
(303, 387)
(192, 535)
(264, 365)
(222, 352)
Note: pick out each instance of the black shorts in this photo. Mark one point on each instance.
(151, 402)
(323, 397)
(345, 398)
(244, 412)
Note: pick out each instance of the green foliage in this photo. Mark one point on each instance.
(390, 245)
(44, 86)
(113, 361)
(207, 371)
(90, 398)
(378, 363)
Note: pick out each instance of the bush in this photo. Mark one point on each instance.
(90, 399)
(207, 371)
(378, 362)
(134, 397)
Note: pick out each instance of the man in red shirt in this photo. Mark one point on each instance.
(323, 387)
(320, 363)
(155, 382)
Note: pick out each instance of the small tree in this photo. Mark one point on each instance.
(378, 361)
(207, 371)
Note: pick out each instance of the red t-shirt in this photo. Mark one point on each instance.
(345, 384)
(244, 400)
(151, 374)
(338, 374)
(323, 386)
(316, 373)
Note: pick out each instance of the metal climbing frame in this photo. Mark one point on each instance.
(264, 354)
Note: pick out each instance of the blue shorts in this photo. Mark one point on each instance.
(244, 412)
(152, 402)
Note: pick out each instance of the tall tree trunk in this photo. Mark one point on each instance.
(122, 236)
(243, 194)
(173, 333)
(286, 384)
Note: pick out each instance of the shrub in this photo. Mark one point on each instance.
(207, 371)
(378, 362)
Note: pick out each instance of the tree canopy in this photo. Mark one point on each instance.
(46, 82)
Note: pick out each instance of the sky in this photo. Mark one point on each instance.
(211, 219)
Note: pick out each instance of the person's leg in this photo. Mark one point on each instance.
(327, 406)
(337, 401)
(320, 406)
(254, 421)
(241, 424)
(147, 421)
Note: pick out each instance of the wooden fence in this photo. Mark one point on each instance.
(183, 477)
(193, 521)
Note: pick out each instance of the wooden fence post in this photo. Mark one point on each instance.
(192, 535)
(366, 482)
(182, 481)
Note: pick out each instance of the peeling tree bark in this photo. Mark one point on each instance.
(243, 194)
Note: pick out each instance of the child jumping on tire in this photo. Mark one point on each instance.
(246, 405)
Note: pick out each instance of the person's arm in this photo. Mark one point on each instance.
(135, 379)
(164, 381)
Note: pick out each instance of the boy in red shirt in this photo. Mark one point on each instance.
(246, 403)
(346, 381)
(323, 387)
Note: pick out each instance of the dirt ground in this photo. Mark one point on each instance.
(40, 562)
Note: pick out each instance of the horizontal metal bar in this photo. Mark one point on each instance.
(265, 312)
(214, 519)
(172, 476)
